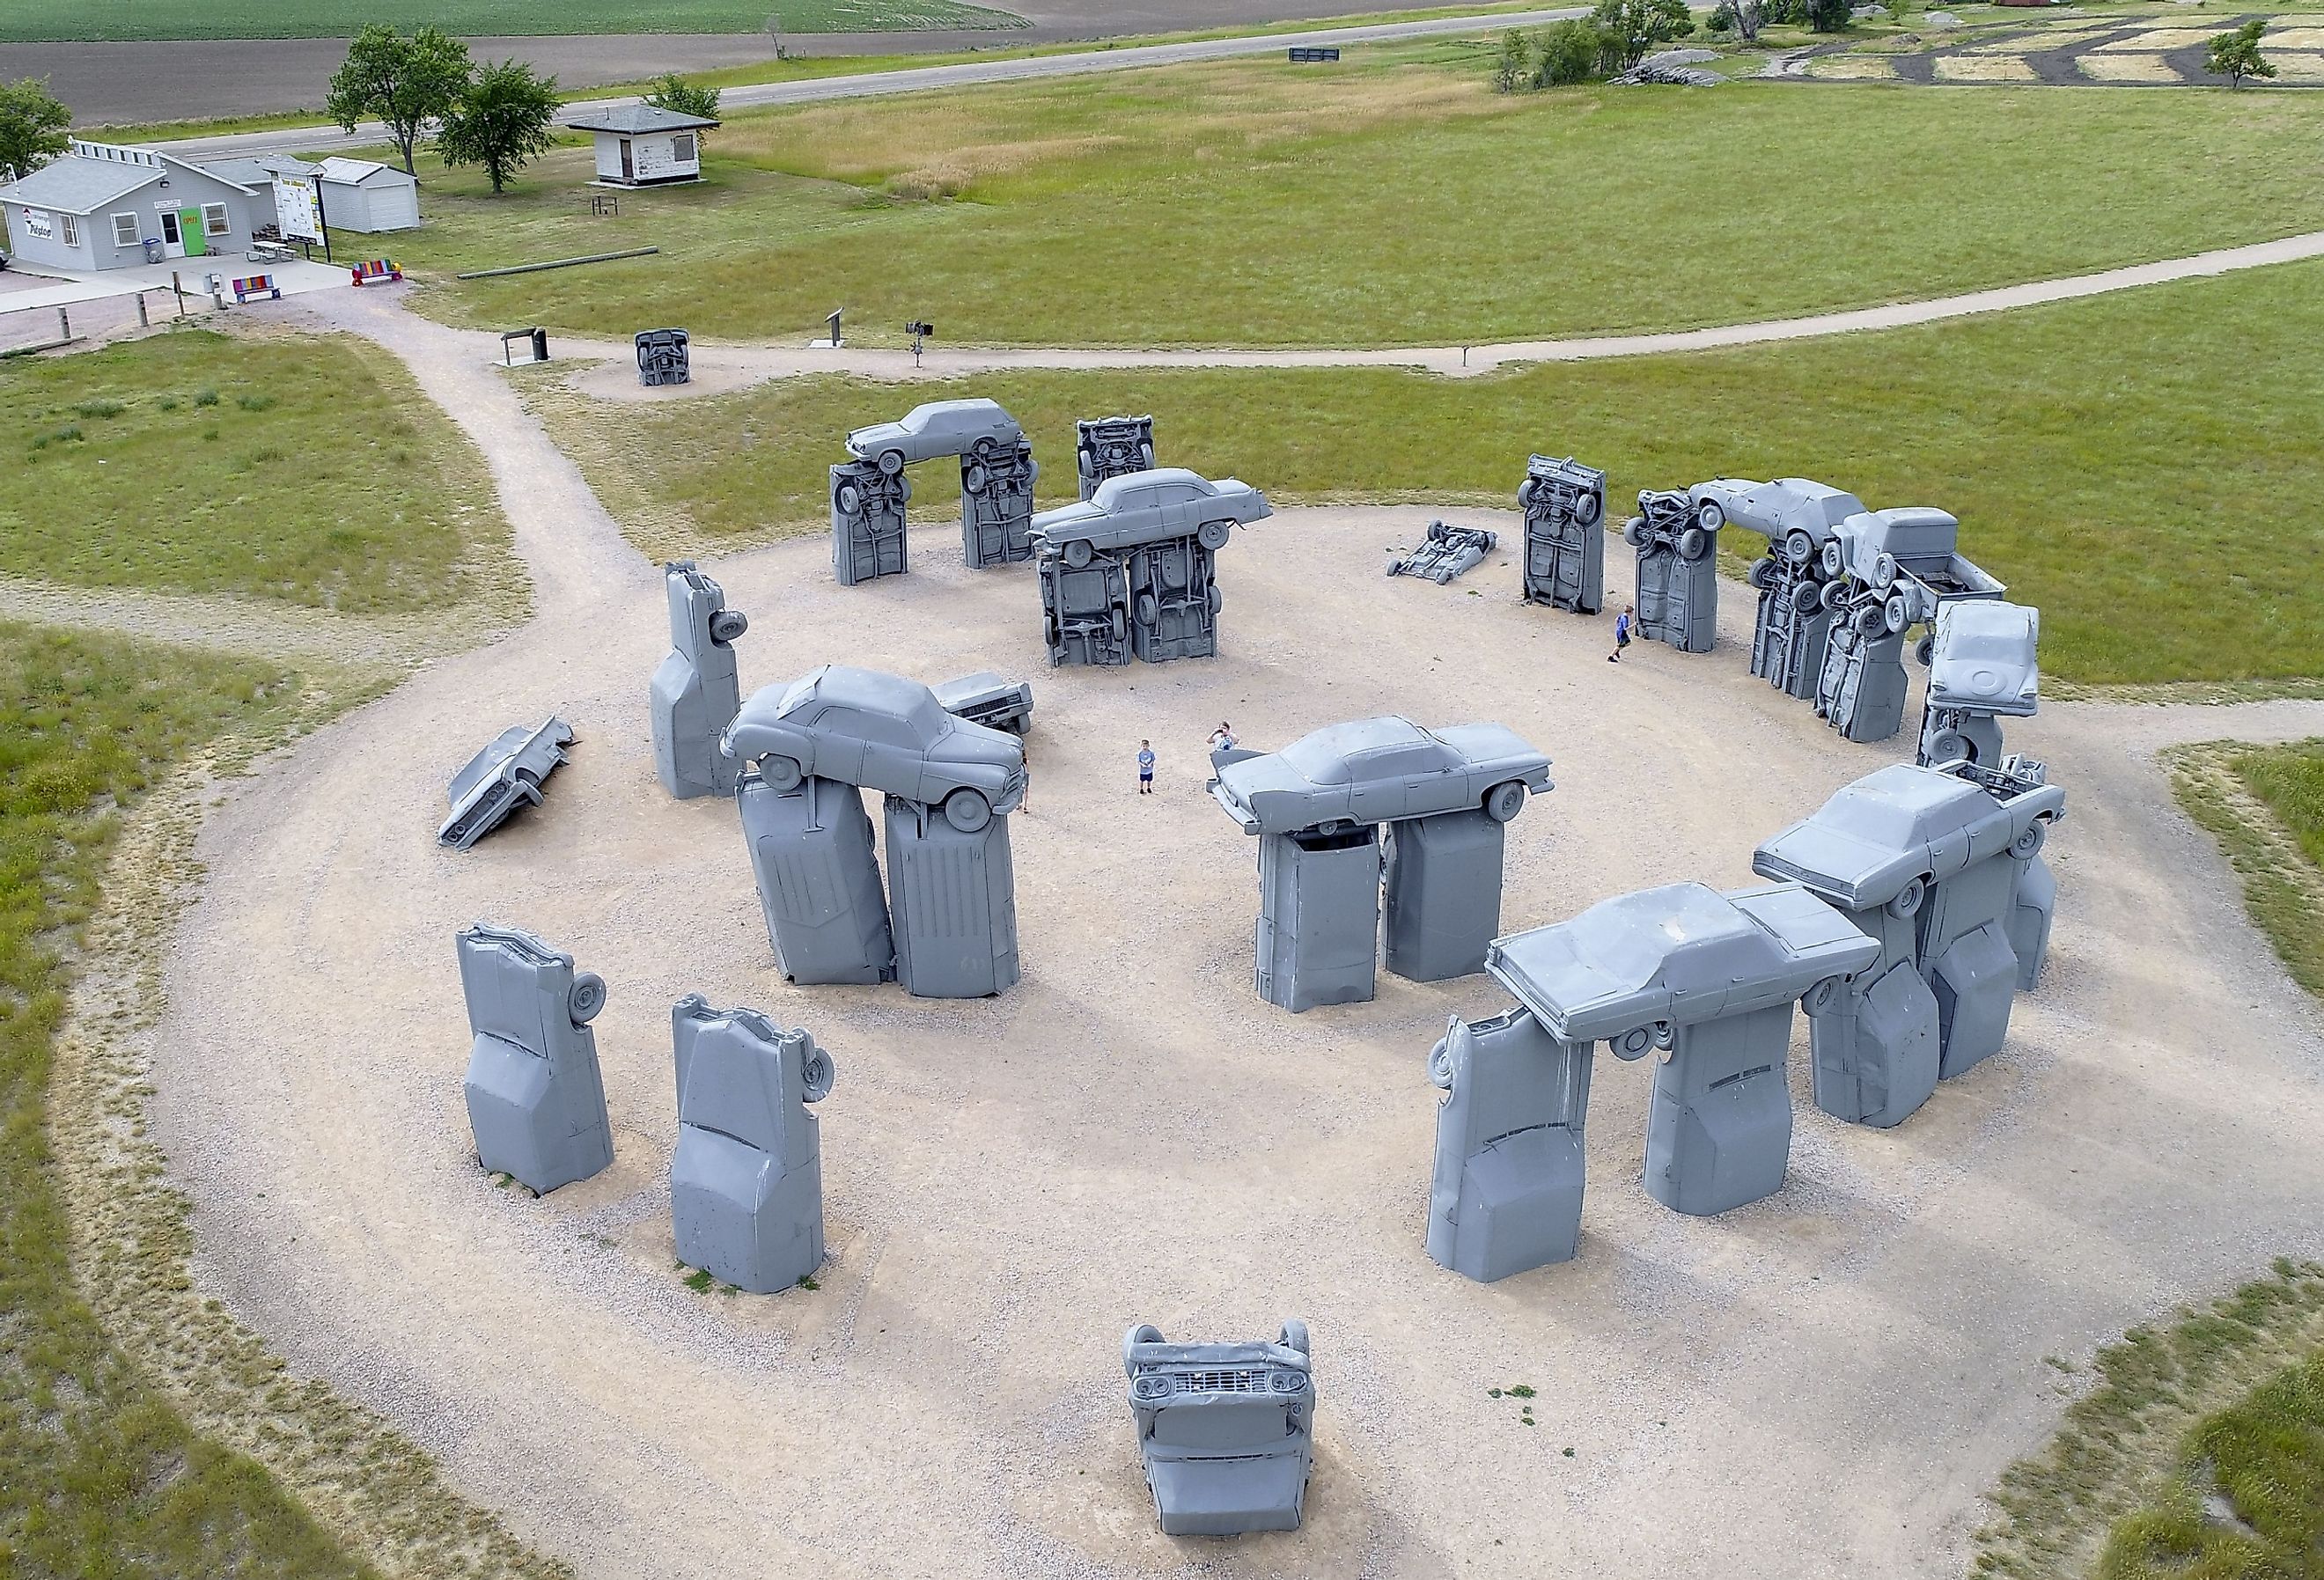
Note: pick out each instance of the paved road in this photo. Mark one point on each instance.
(865, 85)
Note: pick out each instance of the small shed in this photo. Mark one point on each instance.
(361, 196)
(639, 145)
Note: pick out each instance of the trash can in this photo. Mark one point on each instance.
(152, 249)
(540, 346)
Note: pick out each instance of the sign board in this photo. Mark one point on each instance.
(40, 223)
(294, 209)
(1312, 57)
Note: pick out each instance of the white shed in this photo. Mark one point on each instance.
(360, 196)
(639, 145)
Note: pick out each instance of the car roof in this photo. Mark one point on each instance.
(975, 405)
(871, 690)
(1114, 488)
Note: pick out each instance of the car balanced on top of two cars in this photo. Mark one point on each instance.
(1146, 507)
(1380, 771)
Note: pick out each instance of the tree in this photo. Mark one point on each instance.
(1513, 66)
(1749, 16)
(501, 122)
(2236, 55)
(676, 93)
(1568, 53)
(1632, 27)
(406, 82)
(34, 126)
(1830, 16)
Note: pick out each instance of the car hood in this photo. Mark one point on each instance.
(862, 440)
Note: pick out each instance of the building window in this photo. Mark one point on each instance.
(214, 219)
(125, 230)
(682, 145)
(72, 230)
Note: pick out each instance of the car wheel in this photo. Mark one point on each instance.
(1871, 620)
(1145, 458)
(1293, 1335)
(1907, 900)
(1524, 493)
(1144, 1334)
(967, 810)
(891, 462)
(727, 624)
(781, 773)
(586, 997)
(1077, 552)
(1587, 508)
(2028, 844)
(1504, 801)
(1925, 650)
(1762, 574)
(1082, 463)
(1147, 608)
(985, 448)
(1835, 560)
(816, 1075)
(1693, 543)
(1951, 746)
(1636, 534)
(1218, 598)
(975, 476)
(1633, 1043)
(1895, 614)
(1821, 997)
(1834, 594)
(1798, 547)
(1884, 572)
(1709, 515)
(1212, 535)
(1120, 622)
(849, 499)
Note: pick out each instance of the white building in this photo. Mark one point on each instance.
(639, 145)
(105, 205)
(360, 196)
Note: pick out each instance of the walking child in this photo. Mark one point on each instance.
(1145, 768)
(1621, 634)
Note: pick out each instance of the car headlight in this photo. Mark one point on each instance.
(1287, 1382)
(1153, 1385)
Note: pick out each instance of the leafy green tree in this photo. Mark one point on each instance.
(1569, 53)
(406, 82)
(1512, 66)
(2236, 55)
(501, 122)
(1632, 27)
(1829, 15)
(675, 94)
(34, 126)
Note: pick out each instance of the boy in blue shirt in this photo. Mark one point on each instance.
(1622, 635)
(1145, 768)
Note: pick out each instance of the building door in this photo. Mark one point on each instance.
(190, 226)
(629, 164)
(173, 241)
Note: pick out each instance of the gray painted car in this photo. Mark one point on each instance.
(1141, 507)
(1380, 771)
(883, 732)
(939, 428)
(1797, 515)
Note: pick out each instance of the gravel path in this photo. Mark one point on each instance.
(1818, 1385)
(248, 626)
(718, 368)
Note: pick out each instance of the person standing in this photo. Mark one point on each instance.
(1223, 739)
(1145, 768)
(1621, 634)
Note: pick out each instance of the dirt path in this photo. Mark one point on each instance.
(1818, 1385)
(246, 626)
(718, 368)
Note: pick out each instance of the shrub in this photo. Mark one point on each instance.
(1829, 15)
(1570, 51)
(255, 402)
(1513, 66)
(205, 397)
(100, 409)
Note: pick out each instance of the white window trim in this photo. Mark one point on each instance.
(68, 230)
(133, 238)
(216, 220)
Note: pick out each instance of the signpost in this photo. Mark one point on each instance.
(299, 209)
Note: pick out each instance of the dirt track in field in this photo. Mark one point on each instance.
(1820, 1384)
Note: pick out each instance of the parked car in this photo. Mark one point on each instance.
(1141, 507)
(883, 732)
(1797, 515)
(1380, 771)
(939, 428)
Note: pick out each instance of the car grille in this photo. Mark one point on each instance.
(1224, 1381)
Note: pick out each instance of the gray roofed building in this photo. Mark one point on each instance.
(629, 120)
(109, 205)
(639, 145)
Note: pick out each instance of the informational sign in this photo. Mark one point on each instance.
(295, 210)
(40, 223)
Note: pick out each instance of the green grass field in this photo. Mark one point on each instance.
(24, 21)
(1395, 199)
(2265, 806)
(306, 469)
(2107, 458)
(98, 1477)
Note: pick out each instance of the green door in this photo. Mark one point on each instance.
(190, 226)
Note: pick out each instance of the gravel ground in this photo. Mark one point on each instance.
(1819, 1384)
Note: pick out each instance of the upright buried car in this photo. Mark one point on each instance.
(1227, 1431)
(1380, 771)
(940, 427)
(1142, 508)
(883, 732)
(1798, 514)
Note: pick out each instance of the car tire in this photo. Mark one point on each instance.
(1146, 456)
(1762, 574)
(1293, 1335)
(1907, 900)
(1524, 494)
(1834, 594)
(1820, 997)
(1693, 543)
(967, 810)
(1148, 608)
(1144, 1333)
(975, 476)
(727, 624)
(1925, 650)
(1709, 515)
(1951, 746)
(1798, 547)
(1212, 535)
(1871, 620)
(2028, 844)
(586, 997)
(849, 499)
(1632, 1044)
(781, 773)
(1082, 463)
(1120, 622)
(816, 1075)
(891, 463)
(1505, 801)
(1077, 553)
(1587, 508)
(1834, 557)
(1636, 534)
(1218, 598)
(985, 448)
(1884, 572)
(1895, 614)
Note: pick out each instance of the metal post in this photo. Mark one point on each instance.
(64, 325)
(322, 218)
(144, 322)
(179, 287)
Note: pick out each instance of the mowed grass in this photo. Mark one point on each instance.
(2139, 466)
(22, 20)
(2265, 806)
(98, 1477)
(1392, 200)
(308, 469)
